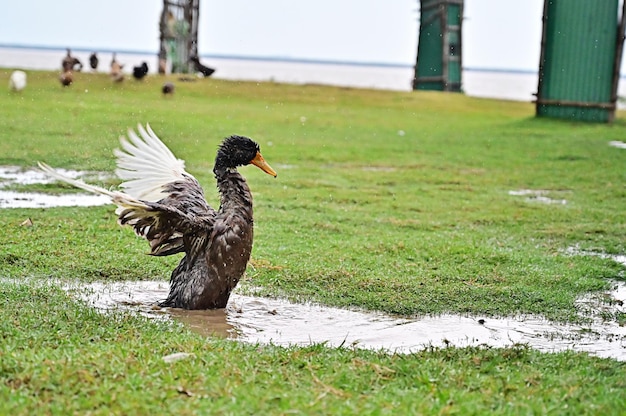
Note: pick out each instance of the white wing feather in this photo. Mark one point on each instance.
(146, 165)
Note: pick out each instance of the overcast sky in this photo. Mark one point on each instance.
(502, 34)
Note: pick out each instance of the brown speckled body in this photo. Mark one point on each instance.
(205, 281)
(166, 205)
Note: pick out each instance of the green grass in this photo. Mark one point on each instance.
(113, 365)
(387, 201)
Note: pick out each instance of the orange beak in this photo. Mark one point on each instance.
(260, 163)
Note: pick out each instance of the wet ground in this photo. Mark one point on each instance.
(539, 195)
(13, 175)
(262, 320)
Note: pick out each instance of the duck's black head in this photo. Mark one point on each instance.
(240, 151)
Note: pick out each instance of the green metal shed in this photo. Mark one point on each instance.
(438, 64)
(581, 51)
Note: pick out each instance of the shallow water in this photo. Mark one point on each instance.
(618, 144)
(13, 199)
(537, 195)
(14, 175)
(263, 320)
(20, 176)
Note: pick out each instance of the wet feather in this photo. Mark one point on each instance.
(166, 205)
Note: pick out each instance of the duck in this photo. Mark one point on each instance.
(17, 81)
(165, 205)
(140, 71)
(70, 63)
(116, 70)
(93, 61)
(167, 89)
(202, 69)
(66, 78)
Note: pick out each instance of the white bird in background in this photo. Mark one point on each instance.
(17, 82)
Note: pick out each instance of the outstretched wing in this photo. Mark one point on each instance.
(167, 228)
(162, 202)
(147, 166)
(178, 210)
(182, 221)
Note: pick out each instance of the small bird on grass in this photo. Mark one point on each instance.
(17, 81)
(93, 61)
(116, 73)
(167, 89)
(204, 70)
(66, 78)
(140, 71)
(70, 63)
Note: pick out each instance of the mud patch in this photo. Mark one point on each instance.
(262, 320)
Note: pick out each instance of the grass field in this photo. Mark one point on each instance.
(388, 201)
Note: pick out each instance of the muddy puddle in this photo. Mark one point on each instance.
(263, 320)
(14, 175)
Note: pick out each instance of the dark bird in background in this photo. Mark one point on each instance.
(116, 70)
(167, 89)
(93, 61)
(70, 63)
(140, 71)
(66, 78)
(166, 205)
(204, 70)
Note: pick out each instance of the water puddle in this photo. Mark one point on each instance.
(13, 199)
(15, 175)
(263, 320)
(577, 251)
(618, 144)
(537, 195)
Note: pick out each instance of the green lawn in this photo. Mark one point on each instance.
(388, 201)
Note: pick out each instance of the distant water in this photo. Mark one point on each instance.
(509, 85)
